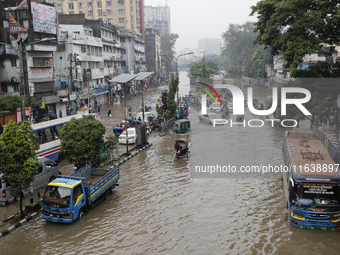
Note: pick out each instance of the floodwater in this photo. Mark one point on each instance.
(160, 208)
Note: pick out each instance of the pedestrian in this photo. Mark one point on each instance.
(98, 109)
(90, 109)
(100, 102)
(109, 114)
(60, 114)
(324, 120)
(331, 121)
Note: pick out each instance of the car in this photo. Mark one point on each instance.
(132, 136)
(210, 118)
(215, 107)
(47, 172)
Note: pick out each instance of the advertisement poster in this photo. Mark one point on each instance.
(44, 18)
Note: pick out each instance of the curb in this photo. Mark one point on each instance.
(16, 225)
(132, 155)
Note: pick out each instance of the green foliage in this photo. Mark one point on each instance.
(18, 147)
(168, 42)
(239, 50)
(204, 69)
(112, 142)
(295, 28)
(82, 140)
(12, 102)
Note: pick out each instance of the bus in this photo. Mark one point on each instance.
(47, 134)
(311, 182)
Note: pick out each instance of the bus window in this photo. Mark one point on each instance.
(41, 136)
(54, 131)
(58, 129)
(48, 134)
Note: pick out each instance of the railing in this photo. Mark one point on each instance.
(166, 126)
(329, 141)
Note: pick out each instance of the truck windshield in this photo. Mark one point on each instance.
(317, 194)
(57, 196)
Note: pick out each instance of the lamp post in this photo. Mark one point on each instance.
(19, 52)
(177, 72)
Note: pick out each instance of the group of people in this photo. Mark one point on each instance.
(331, 120)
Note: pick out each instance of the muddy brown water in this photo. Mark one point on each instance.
(159, 208)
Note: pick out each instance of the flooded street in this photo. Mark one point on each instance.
(160, 208)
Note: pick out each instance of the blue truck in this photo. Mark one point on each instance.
(67, 198)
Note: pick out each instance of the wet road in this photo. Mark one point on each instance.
(159, 208)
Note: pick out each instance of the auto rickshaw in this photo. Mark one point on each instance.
(182, 149)
(182, 126)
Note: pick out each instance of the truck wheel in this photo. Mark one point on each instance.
(81, 213)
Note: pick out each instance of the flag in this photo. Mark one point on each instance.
(14, 42)
(22, 5)
(14, 26)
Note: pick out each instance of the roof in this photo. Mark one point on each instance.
(67, 183)
(182, 120)
(123, 78)
(143, 75)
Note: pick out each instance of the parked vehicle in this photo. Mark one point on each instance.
(210, 118)
(48, 134)
(67, 198)
(48, 171)
(132, 136)
(182, 126)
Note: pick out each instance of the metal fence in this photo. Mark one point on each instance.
(328, 140)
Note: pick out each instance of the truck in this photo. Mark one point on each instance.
(67, 198)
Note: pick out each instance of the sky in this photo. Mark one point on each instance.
(196, 19)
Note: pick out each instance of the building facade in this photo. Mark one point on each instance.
(125, 14)
(152, 49)
(158, 18)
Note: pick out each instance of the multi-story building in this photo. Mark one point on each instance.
(32, 28)
(210, 45)
(126, 14)
(158, 18)
(152, 49)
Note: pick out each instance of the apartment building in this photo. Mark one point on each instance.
(126, 14)
(158, 18)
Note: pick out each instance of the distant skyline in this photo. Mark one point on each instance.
(196, 19)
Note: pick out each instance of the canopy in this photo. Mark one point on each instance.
(143, 75)
(136, 122)
(123, 78)
(148, 106)
(117, 128)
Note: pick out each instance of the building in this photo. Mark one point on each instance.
(125, 14)
(158, 18)
(32, 26)
(210, 45)
(152, 49)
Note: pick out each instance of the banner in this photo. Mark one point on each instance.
(22, 5)
(14, 27)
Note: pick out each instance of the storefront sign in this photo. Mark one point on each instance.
(62, 92)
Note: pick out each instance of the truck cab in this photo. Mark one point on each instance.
(63, 200)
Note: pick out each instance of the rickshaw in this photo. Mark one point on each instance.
(117, 131)
(136, 123)
(156, 124)
(182, 149)
(182, 126)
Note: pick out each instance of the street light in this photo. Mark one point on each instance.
(177, 72)
(19, 51)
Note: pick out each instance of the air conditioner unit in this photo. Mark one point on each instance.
(47, 63)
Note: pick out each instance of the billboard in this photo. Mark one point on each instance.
(44, 18)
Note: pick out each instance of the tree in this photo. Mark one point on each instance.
(12, 102)
(18, 163)
(204, 69)
(173, 87)
(295, 28)
(82, 140)
(112, 143)
(168, 42)
(239, 49)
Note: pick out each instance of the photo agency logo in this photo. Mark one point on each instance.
(238, 104)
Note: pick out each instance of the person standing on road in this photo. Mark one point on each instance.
(109, 114)
(100, 102)
(331, 120)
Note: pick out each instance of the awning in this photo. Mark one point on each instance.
(143, 75)
(51, 99)
(123, 78)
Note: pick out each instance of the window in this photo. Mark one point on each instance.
(23, 14)
(121, 11)
(70, 6)
(120, 2)
(110, 20)
(80, 5)
(99, 4)
(4, 88)
(72, 12)
(99, 12)
(60, 6)
(121, 20)
(137, 12)
(108, 3)
(109, 12)
(137, 3)
(89, 4)
(77, 191)
(80, 12)
(13, 62)
(89, 13)
(137, 21)
(2, 63)
(16, 88)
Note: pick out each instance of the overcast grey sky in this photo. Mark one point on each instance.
(196, 19)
